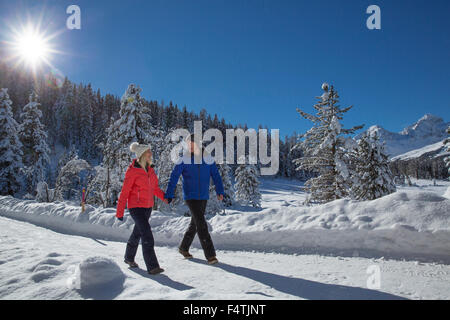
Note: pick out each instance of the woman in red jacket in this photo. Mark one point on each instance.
(139, 187)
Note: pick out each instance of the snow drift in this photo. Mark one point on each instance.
(406, 224)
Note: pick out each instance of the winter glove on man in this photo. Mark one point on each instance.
(121, 218)
(167, 200)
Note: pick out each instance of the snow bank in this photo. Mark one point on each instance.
(405, 224)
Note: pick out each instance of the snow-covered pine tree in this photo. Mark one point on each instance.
(100, 186)
(372, 177)
(324, 149)
(85, 115)
(134, 124)
(71, 179)
(44, 193)
(247, 185)
(33, 136)
(67, 156)
(225, 173)
(64, 107)
(109, 163)
(287, 155)
(213, 206)
(447, 144)
(11, 166)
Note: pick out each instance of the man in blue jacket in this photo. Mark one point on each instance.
(196, 179)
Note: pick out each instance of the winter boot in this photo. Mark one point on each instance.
(156, 271)
(132, 264)
(185, 254)
(212, 260)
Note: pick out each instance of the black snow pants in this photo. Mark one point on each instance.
(142, 231)
(198, 226)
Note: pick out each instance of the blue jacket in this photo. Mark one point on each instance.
(196, 179)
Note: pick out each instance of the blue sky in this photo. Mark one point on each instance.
(255, 61)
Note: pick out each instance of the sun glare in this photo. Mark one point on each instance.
(31, 47)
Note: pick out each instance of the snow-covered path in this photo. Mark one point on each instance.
(36, 263)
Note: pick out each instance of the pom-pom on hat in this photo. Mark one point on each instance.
(139, 149)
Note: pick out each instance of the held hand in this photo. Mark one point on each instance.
(165, 201)
(121, 218)
(220, 197)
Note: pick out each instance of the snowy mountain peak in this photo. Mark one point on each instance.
(377, 129)
(428, 125)
(427, 130)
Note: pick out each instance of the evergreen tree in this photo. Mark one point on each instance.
(225, 173)
(247, 185)
(110, 164)
(66, 156)
(101, 118)
(134, 124)
(203, 117)
(372, 177)
(71, 179)
(447, 144)
(213, 206)
(170, 117)
(35, 149)
(325, 149)
(185, 119)
(11, 166)
(85, 138)
(102, 186)
(44, 193)
(64, 114)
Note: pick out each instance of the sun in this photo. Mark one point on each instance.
(31, 47)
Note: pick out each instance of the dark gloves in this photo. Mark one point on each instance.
(121, 218)
(169, 200)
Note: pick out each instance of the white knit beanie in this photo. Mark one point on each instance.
(139, 149)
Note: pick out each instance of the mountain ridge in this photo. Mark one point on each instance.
(429, 129)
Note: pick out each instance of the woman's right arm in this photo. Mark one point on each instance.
(123, 198)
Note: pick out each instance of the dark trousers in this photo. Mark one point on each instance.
(142, 231)
(198, 225)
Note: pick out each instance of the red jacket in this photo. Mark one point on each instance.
(138, 189)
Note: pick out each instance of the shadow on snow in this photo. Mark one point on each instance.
(162, 279)
(306, 289)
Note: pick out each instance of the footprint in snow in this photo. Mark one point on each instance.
(46, 264)
(43, 275)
